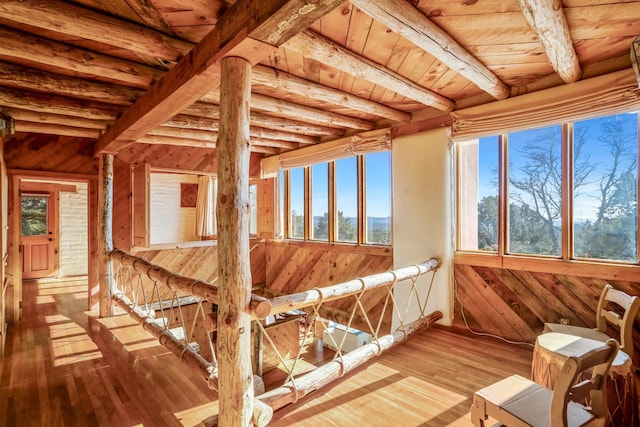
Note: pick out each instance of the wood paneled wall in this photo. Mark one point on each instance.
(295, 267)
(515, 304)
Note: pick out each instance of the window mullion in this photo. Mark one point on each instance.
(362, 220)
(333, 216)
(308, 222)
(567, 191)
(503, 195)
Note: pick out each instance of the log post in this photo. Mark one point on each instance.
(105, 236)
(233, 346)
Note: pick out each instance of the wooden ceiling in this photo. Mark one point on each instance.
(76, 68)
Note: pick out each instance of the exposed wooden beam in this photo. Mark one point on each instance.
(65, 18)
(54, 119)
(33, 127)
(289, 83)
(212, 125)
(45, 103)
(248, 29)
(186, 142)
(290, 110)
(31, 79)
(43, 51)
(401, 17)
(150, 15)
(212, 111)
(547, 19)
(211, 136)
(327, 52)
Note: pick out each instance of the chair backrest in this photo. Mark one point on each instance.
(622, 316)
(571, 385)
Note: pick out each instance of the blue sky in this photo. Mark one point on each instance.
(378, 184)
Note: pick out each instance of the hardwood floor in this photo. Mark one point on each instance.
(64, 369)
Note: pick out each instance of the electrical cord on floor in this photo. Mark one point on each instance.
(484, 334)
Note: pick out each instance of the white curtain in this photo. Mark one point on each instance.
(613, 93)
(206, 206)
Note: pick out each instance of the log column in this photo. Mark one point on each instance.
(233, 347)
(105, 235)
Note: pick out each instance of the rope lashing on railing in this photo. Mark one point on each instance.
(259, 307)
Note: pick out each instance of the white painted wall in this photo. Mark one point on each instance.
(169, 222)
(74, 232)
(423, 217)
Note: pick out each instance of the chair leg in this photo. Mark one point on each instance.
(478, 411)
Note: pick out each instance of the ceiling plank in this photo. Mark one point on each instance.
(289, 83)
(76, 21)
(547, 19)
(407, 21)
(150, 15)
(325, 51)
(53, 119)
(247, 29)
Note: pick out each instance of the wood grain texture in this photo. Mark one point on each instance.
(515, 304)
(295, 267)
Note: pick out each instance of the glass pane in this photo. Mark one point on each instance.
(478, 194)
(296, 197)
(378, 197)
(320, 201)
(34, 216)
(535, 191)
(347, 199)
(253, 206)
(605, 188)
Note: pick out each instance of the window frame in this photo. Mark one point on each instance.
(504, 259)
(332, 206)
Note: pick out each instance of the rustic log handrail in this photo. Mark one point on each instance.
(185, 352)
(259, 306)
(325, 374)
(352, 287)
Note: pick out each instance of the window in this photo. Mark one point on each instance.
(320, 201)
(478, 194)
(378, 197)
(348, 200)
(605, 181)
(535, 185)
(296, 203)
(580, 177)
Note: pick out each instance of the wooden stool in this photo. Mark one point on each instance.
(552, 349)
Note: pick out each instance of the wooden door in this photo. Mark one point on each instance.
(37, 235)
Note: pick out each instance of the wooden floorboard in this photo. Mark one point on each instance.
(65, 368)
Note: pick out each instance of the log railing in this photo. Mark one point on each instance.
(169, 291)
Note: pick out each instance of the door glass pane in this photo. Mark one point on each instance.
(605, 188)
(378, 197)
(34, 215)
(535, 188)
(320, 201)
(347, 199)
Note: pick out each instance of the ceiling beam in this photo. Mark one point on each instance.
(404, 19)
(56, 129)
(50, 53)
(248, 29)
(55, 119)
(289, 83)
(65, 18)
(547, 19)
(283, 108)
(327, 52)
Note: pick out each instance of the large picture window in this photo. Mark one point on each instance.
(347, 200)
(567, 191)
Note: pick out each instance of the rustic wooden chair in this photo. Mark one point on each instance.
(606, 314)
(516, 401)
